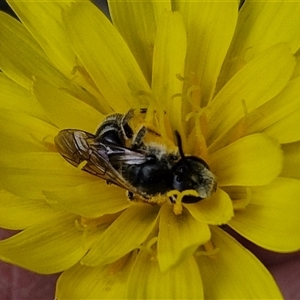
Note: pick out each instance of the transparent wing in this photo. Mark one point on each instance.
(78, 147)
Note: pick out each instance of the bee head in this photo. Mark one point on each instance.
(192, 173)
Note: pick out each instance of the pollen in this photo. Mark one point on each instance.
(176, 199)
(82, 164)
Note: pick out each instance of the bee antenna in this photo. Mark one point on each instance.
(179, 142)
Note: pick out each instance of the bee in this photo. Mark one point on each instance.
(120, 156)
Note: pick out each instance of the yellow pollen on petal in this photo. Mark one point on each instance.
(157, 199)
(174, 197)
(177, 197)
(82, 164)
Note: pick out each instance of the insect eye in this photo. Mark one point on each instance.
(179, 178)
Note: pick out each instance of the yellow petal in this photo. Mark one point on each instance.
(22, 133)
(275, 110)
(215, 210)
(179, 236)
(271, 220)
(16, 60)
(17, 98)
(239, 274)
(43, 20)
(137, 22)
(286, 130)
(90, 200)
(29, 174)
(64, 110)
(135, 224)
(147, 282)
(168, 66)
(106, 56)
(255, 84)
(48, 247)
(82, 282)
(22, 59)
(210, 27)
(262, 24)
(291, 162)
(19, 213)
(252, 160)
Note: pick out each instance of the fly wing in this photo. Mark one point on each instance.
(79, 147)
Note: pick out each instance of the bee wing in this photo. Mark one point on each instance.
(78, 146)
(118, 153)
(73, 145)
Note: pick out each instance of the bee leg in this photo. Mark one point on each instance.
(125, 128)
(129, 115)
(138, 138)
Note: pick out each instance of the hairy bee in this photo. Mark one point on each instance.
(120, 156)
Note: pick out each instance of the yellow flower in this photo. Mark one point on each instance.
(226, 80)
